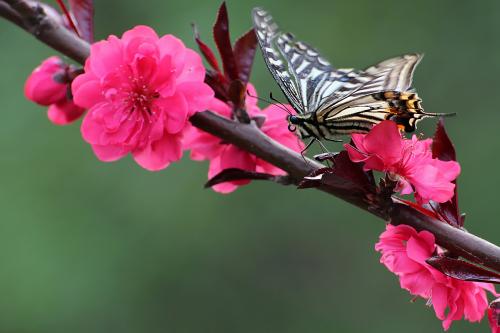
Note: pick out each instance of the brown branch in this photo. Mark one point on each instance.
(34, 19)
(10, 14)
(251, 139)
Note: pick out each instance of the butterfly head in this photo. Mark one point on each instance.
(293, 121)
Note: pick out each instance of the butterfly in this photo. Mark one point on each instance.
(332, 102)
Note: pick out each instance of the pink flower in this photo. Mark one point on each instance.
(222, 155)
(48, 85)
(404, 252)
(384, 149)
(140, 91)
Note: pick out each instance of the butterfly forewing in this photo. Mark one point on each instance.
(305, 77)
(267, 32)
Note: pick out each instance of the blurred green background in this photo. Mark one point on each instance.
(87, 246)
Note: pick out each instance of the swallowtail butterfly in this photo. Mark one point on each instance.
(331, 102)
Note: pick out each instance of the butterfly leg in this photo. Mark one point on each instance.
(303, 152)
(325, 156)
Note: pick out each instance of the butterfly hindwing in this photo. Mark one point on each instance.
(362, 105)
(398, 72)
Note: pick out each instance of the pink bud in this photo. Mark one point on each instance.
(42, 86)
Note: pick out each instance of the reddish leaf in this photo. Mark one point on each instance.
(83, 11)
(237, 93)
(442, 148)
(206, 50)
(494, 315)
(344, 175)
(463, 270)
(244, 53)
(217, 82)
(223, 42)
(349, 175)
(314, 178)
(68, 16)
(233, 174)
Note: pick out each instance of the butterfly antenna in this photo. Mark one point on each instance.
(440, 114)
(281, 106)
(279, 103)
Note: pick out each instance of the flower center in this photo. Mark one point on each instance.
(140, 97)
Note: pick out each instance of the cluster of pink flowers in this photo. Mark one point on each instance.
(49, 85)
(140, 91)
(405, 251)
(224, 156)
(409, 161)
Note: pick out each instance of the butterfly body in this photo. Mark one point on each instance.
(331, 102)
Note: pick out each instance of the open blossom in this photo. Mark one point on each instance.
(405, 251)
(49, 85)
(140, 91)
(384, 149)
(222, 155)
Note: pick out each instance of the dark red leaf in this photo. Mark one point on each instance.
(83, 11)
(206, 51)
(448, 212)
(244, 53)
(223, 42)
(314, 178)
(218, 83)
(237, 93)
(233, 174)
(463, 270)
(344, 175)
(494, 315)
(349, 175)
(443, 149)
(68, 16)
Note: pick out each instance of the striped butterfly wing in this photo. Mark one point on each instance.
(305, 77)
(395, 74)
(384, 93)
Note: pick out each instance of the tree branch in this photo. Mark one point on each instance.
(10, 14)
(248, 137)
(32, 17)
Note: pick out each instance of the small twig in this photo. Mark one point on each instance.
(251, 139)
